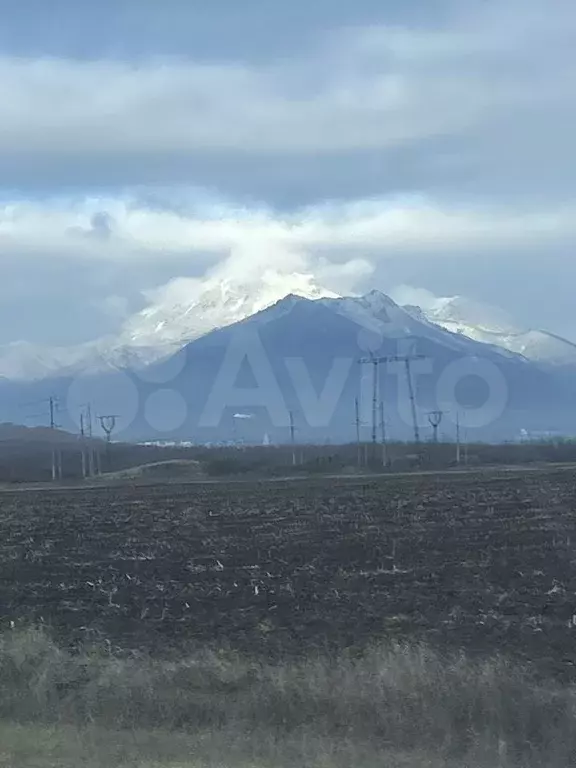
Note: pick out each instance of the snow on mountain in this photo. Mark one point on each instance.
(491, 325)
(187, 309)
(482, 317)
(183, 313)
(23, 361)
(315, 334)
(378, 312)
(179, 313)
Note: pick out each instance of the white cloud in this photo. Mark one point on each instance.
(358, 89)
(472, 112)
(416, 297)
(115, 307)
(349, 247)
(354, 233)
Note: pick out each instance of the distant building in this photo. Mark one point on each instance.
(540, 436)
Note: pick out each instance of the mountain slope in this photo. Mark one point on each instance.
(490, 325)
(186, 310)
(379, 314)
(302, 356)
(182, 312)
(176, 319)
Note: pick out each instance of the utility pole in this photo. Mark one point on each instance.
(383, 434)
(89, 418)
(108, 424)
(89, 462)
(435, 419)
(293, 438)
(52, 426)
(92, 451)
(375, 363)
(407, 360)
(56, 454)
(357, 405)
(83, 446)
(458, 442)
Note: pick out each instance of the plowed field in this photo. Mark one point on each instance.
(484, 562)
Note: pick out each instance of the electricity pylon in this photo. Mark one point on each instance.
(435, 419)
(108, 424)
(375, 362)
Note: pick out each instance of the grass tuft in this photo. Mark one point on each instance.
(395, 700)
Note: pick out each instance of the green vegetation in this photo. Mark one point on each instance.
(406, 705)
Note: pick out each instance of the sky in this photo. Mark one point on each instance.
(422, 147)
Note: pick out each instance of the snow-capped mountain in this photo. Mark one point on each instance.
(181, 312)
(378, 314)
(23, 361)
(187, 309)
(184, 312)
(300, 356)
(303, 356)
(491, 325)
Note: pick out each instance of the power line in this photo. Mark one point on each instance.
(53, 405)
(376, 362)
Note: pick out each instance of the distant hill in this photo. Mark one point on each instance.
(17, 433)
(26, 454)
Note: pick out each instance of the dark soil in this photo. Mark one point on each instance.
(482, 562)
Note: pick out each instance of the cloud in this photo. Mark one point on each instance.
(353, 233)
(428, 149)
(349, 246)
(176, 292)
(115, 307)
(416, 297)
(487, 70)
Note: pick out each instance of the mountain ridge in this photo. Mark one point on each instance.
(188, 309)
(301, 356)
(162, 328)
(491, 325)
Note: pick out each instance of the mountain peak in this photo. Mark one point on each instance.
(457, 309)
(491, 325)
(187, 309)
(377, 301)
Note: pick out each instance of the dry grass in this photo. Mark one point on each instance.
(394, 706)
